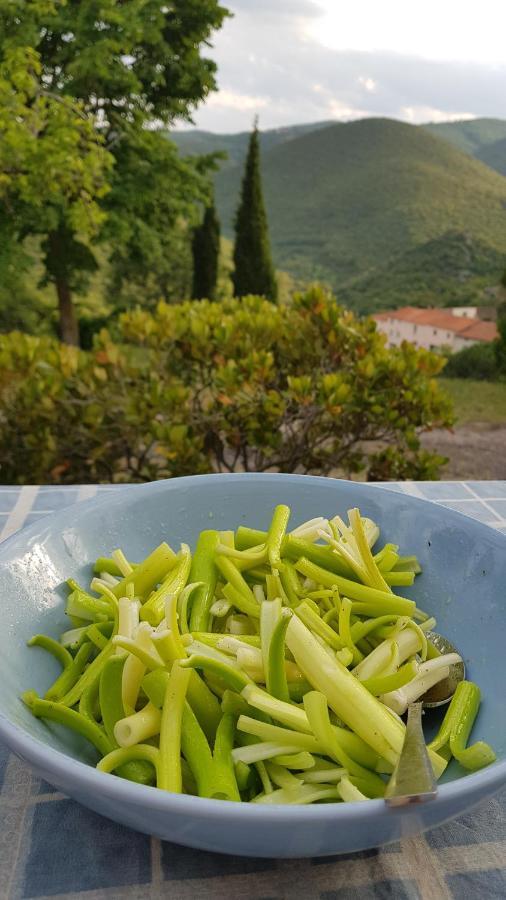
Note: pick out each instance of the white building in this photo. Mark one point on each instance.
(435, 328)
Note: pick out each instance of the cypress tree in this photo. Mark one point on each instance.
(254, 272)
(206, 251)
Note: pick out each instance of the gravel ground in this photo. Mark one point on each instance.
(476, 451)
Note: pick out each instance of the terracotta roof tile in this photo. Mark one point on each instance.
(473, 329)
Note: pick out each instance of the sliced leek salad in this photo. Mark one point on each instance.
(263, 667)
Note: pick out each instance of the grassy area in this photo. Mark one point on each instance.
(477, 401)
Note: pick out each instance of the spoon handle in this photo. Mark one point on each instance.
(413, 779)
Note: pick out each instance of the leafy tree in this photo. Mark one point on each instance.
(79, 84)
(206, 252)
(254, 272)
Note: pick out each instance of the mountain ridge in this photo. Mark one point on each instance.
(347, 200)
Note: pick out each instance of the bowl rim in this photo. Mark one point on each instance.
(61, 765)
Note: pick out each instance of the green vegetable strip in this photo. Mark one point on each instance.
(281, 776)
(262, 750)
(126, 757)
(56, 712)
(183, 602)
(276, 534)
(53, 647)
(315, 704)
(300, 761)
(294, 717)
(290, 583)
(202, 701)
(151, 659)
(105, 564)
(294, 548)
(387, 558)
(241, 602)
(349, 792)
(283, 736)
(374, 576)
(203, 569)
(383, 684)
(89, 705)
(246, 538)
(306, 793)
(169, 765)
(148, 573)
(70, 675)
(359, 592)
(89, 608)
(96, 636)
(197, 753)
(277, 684)
(243, 775)
(213, 639)
(360, 630)
(111, 703)
(345, 629)
(408, 564)
(391, 605)
(231, 573)
(153, 610)
(233, 678)
(310, 618)
(74, 694)
(399, 579)
(365, 715)
(225, 783)
(264, 778)
(456, 728)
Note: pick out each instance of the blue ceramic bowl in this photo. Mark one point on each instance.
(463, 584)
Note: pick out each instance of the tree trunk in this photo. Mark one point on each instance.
(69, 327)
(56, 264)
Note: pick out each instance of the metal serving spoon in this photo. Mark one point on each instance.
(413, 779)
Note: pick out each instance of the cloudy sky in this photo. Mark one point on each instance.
(306, 60)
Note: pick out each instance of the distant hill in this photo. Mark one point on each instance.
(494, 155)
(386, 213)
(485, 139)
(346, 198)
(453, 270)
(235, 146)
(470, 136)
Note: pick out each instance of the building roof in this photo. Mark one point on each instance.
(463, 326)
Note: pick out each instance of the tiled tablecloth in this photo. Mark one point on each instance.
(51, 846)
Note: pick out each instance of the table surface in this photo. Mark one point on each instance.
(52, 846)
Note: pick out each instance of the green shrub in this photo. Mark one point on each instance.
(201, 387)
(477, 361)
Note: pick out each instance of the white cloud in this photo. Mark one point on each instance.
(269, 60)
(368, 83)
(417, 114)
(435, 29)
(231, 100)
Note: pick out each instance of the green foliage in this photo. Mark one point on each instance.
(200, 386)
(206, 252)
(478, 362)
(346, 201)
(79, 83)
(455, 269)
(500, 344)
(253, 269)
